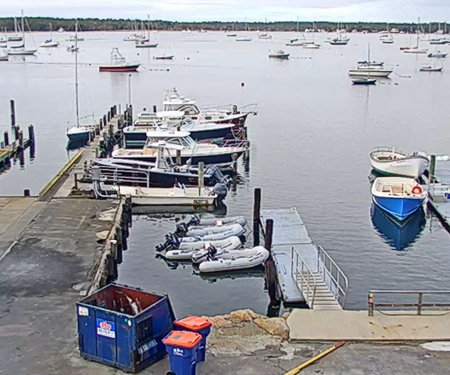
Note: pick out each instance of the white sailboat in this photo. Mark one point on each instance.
(21, 50)
(296, 42)
(415, 49)
(76, 37)
(313, 44)
(49, 43)
(244, 38)
(16, 37)
(77, 133)
(146, 43)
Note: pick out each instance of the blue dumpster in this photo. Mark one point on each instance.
(182, 347)
(199, 325)
(123, 327)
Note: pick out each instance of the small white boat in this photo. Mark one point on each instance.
(370, 72)
(179, 196)
(392, 161)
(205, 231)
(429, 68)
(49, 43)
(415, 50)
(237, 262)
(213, 253)
(398, 196)
(311, 46)
(187, 249)
(243, 39)
(146, 44)
(265, 36)
(279, 55)
(173, 242)
(213, 220)
(4, 57)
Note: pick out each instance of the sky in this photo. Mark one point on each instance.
(237, 10)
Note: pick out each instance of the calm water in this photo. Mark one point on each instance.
(310, 145)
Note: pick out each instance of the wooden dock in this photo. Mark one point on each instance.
(305, 272)
(439, 193)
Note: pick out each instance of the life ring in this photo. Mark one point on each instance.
(416, 189)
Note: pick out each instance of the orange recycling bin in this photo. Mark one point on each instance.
(182, 347)
(199, 325)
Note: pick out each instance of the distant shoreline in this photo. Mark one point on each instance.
(96, 24)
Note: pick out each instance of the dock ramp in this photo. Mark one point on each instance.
(305, 271)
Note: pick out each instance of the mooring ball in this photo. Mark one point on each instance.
(242, 84)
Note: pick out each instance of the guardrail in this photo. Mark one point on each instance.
(332, 276)
(304, 277)
(419, 305)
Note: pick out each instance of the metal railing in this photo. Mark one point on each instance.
(439, 191)
(332, 276)
(304, 277)
(419, 305)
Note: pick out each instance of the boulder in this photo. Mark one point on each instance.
(274, 326)
(220, 321)
(246, 315)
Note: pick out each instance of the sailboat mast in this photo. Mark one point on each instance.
(148, 27)
(23, 28)
(76, 73)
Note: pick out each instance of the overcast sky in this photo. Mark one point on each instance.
(237, 10)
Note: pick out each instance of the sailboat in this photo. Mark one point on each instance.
(340, 40)
(369, 69)
(296, 42)
(49, 43)
(244, 38)
(76, 37)
(432, 68)
(15, 37)
(21, 50)
(135, 36)
(386, 37)
(312, 45)
(77, 133)
(146, 43)
(416, 48)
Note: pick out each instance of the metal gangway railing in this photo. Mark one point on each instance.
(332, 275)
(304, 277)
(418, 304)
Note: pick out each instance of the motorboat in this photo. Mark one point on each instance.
(279, 54)
(264, 36)
(243, 39)
(146, 44)
(339, 41)
(235, 230)
(311, 46)
(231, 35)
(4, 57)
(173, 101)
(164, 57)
(79, 133)
(49, 43)
(438, 55)
(209, 220)
(364, 81)
(174, 196)
(371, 64)
(212, 252)
(429, 68)
(415, 50)
(192, 151)
(72, 49)
(296, 43)
(398, 196)
(238, 262)
(118, 64)
(190, 248)
(393, 161)
(173, 242)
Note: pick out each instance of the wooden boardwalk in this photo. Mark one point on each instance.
(302, 277)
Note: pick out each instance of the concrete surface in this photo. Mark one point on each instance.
(350, 325)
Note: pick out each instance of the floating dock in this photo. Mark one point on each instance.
(439, 193)
(305, 272)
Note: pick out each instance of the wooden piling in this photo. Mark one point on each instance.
(21, 139)
(432, 169)
(6, 138)
(155, 109)
(31, 133)
(75, 182)
(201, 182)
(234, 159)
(26, 193)
(268, 237)
(16, 130)
(256, 216)
(13, 113)
(105, 121)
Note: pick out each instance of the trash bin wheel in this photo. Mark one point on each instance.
(170, 373)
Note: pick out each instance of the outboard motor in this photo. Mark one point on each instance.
(215, 174)
(172, 243)
(235, 109)
(212, 251)
(195, 220)
(221, 190)
(181, 229)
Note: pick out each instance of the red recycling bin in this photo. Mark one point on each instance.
(200, 325)
(182, 347)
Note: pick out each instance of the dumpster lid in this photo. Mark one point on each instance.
(185, 339)
(194, 323)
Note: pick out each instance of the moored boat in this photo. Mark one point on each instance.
(429, 68)
(398, 196)
(370, 72)
(118, 64)
(279, 54)
(393, 161)
(364, 81)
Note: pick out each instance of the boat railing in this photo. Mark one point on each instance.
(439, 190)
(389, 149)
(332, 275)
(303, 277)
(418, 303)
(116, 175)
(239, 143)
(251, 108)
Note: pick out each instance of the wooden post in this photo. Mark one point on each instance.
(256, 216)
(75, 177)
(247, 156)
(155, 109)
(13, 113)
(21, 139)
(370, 304)
(268, 238)
(101, 123)
(6, 138)
(16, 132)
(105, 121)
(26, 193)
(234, 158)
(201, 166)
(432, 169)
(31, 133)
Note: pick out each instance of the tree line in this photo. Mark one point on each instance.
(96, 24)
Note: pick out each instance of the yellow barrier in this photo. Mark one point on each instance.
(64, 169)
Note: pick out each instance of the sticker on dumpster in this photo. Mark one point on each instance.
(178, 351)
(83, 311)
(105, 328)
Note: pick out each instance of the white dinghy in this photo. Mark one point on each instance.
(212, 235)
(212, 253)
(392, 161)
(188, 249)
(200, 231)
(211, 220)
(237, 262)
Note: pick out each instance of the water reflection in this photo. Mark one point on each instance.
(398, 236)
(73, 145)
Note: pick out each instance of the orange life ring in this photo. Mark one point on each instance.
(416, 189)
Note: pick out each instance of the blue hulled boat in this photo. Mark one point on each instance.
(398, 196)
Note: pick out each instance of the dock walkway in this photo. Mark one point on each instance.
(302, 267)
(440, 193)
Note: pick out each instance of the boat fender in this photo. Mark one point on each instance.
(416, 189)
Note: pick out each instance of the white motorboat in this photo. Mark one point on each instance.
(370, 72)
(398, 196)
(392, 161)
(236, 230)
(311, 46)
(188, 249)
(238, 262)
(279, 54)
(176, 196)
(264, 36)
(416, 50)
(212, 252)
(200, 231)
(243, 39)
(429, 68)
(192, 151)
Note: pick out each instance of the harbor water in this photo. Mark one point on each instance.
(309, 147)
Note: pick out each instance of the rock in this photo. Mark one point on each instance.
(274, 326)
(246, 315)
(286, 315)
(220, 321)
